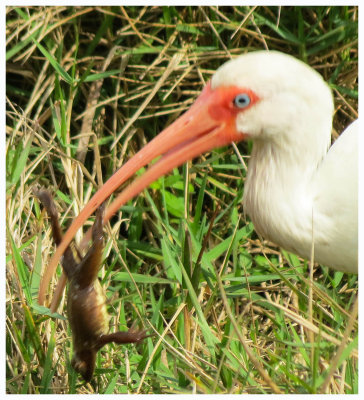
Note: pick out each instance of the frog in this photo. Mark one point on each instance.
(86, 301)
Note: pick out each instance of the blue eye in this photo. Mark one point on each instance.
(241, 100)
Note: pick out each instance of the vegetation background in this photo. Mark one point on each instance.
(86, 87)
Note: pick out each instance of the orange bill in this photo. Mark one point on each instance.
(209, 123)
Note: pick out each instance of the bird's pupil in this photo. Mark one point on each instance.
(242, 100)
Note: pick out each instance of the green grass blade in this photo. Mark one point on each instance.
(20, 162)
(33, 332)
(55, 64)
(139, 278)
(22, 271)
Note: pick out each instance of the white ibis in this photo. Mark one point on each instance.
(298, 193)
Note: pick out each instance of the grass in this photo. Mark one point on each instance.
(86, 88)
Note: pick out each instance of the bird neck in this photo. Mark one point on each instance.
(277, 194)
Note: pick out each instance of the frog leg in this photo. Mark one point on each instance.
(87, 270)
(130, 336)
(68, 261)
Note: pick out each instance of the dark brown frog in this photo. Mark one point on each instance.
(86, 306)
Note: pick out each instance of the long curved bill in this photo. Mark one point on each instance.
(197, 131)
